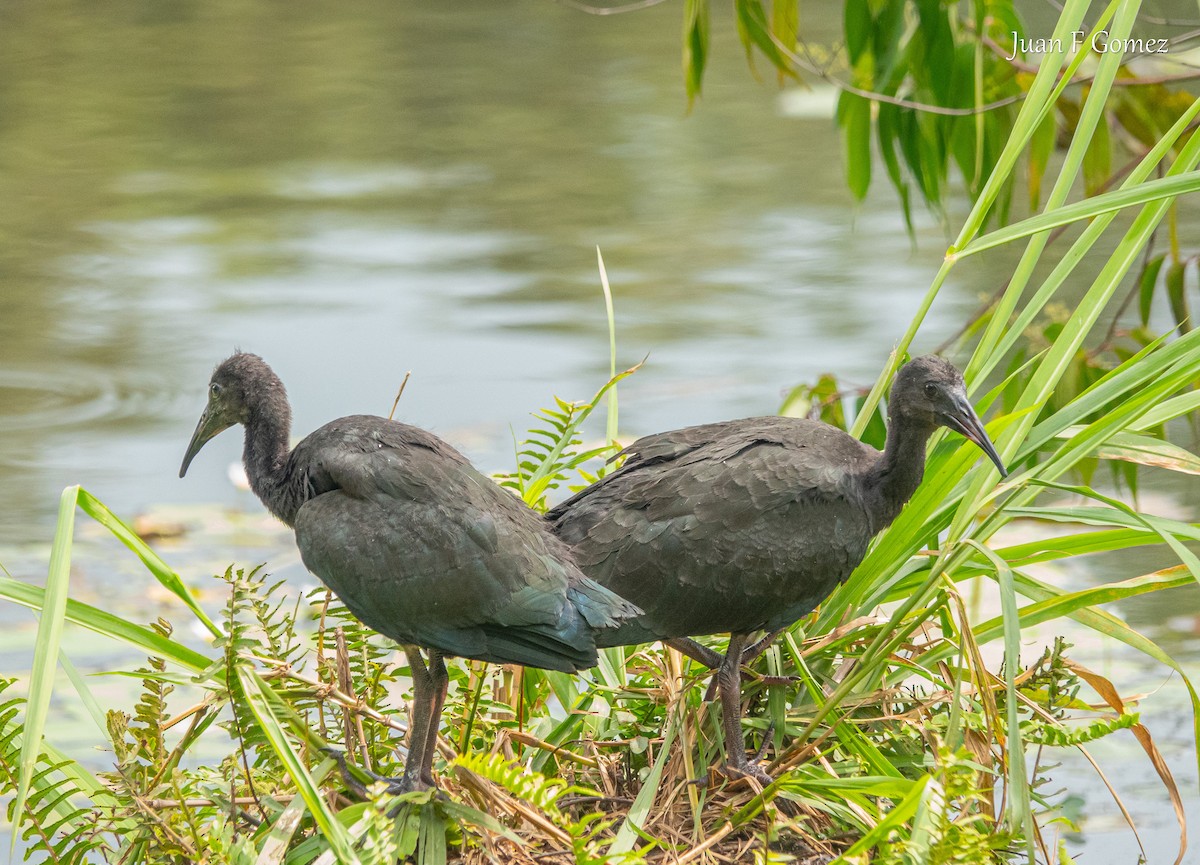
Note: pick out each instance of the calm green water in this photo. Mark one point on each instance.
(357, 192)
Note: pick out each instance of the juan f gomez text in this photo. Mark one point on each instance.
(1100, 42)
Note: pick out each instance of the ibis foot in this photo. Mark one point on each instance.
(752, 770)
(743, 768)
(395, 786)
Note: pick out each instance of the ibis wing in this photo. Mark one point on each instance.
(722, 528)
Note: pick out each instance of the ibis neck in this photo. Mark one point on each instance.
(265, 456)
(900, 468)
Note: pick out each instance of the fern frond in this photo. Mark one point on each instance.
(550, 453)
(59, 820)
(530, 787)
(1059, 736)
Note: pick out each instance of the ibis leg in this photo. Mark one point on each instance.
(425, 701)
(439, 682)
(748, 654)
(712, 658)
(759, 646)
(696, 651)
(729, 681)
(418, 722)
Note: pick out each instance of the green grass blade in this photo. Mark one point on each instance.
(1053, 547)
(107, 624)
(1092, 117)
(1143, 450)
(260, 702)
(1003, 332)
(1020, 814)
(1169, 410)
(85, 693)
(900, 814)
(170, 580)
(46, 646)
(1108, 202)
(610, 434)
(627, 835)
(1065, 604)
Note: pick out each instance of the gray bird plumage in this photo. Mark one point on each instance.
(748, 525)
(425, 549)
(419, 545)
(756, 520)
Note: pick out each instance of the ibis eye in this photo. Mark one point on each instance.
(930, 389)
(214, 389)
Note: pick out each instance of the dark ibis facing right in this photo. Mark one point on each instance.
(747, 525)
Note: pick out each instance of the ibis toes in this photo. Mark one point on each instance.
(743, 768)
(406, 783)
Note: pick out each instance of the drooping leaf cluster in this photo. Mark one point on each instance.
(932, 90)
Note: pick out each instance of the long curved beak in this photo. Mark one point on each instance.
(964, 420)
(209, 426)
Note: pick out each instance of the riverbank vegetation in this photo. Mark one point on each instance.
(892, 736)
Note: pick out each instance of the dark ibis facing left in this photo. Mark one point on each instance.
(747, 525)
(419, 545)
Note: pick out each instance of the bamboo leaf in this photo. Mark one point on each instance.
(1146, 283)
(1143, 193)
(695, 45)
(854, 114)
(1175, 295)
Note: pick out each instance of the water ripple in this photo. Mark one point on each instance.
(76, 396)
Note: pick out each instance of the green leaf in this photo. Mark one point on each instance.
(1176, 297)
(854, 113)
(46, 645)
(1108, 202)
(1168, 410)
(785, 23)
(1143, 450)
(636, 816)
(1020, 814)
(887, 132)
(610, 430)
(170, 580)
(1068, 603)
(94, 619)
(1097, 159)
(857, 24)
(1041, 145)
(1146, 283)
(754, 30)
(695, 45)
(264, 704)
